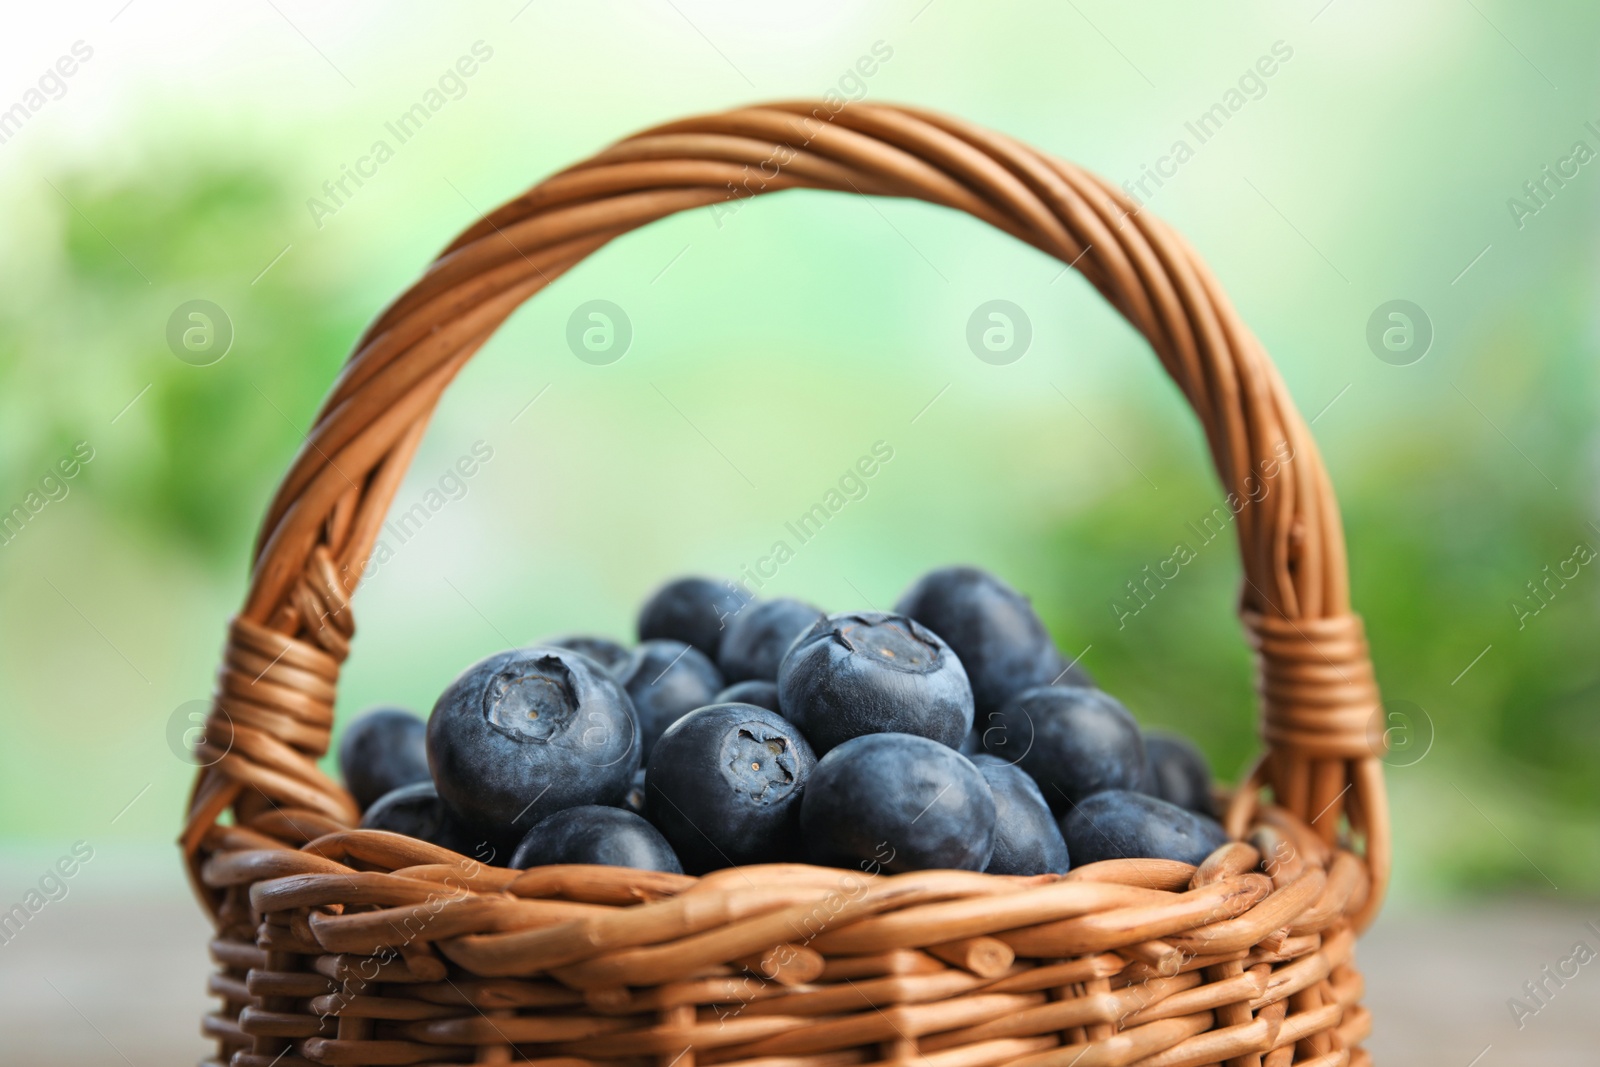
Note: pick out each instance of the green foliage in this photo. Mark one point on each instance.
(210, 440)
(1458, 544)
(1173, 651)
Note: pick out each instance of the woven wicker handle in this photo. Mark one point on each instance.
(1318, 695)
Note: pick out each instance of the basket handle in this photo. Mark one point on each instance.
(277, 684)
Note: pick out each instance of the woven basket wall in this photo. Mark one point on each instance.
(343, 946)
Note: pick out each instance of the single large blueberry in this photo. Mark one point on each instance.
(1176, 772)
(872, 672)
(994, 631)
(695, 611)
(382, 750)
(758, 636)
(1026, 837)
(666, 680)
(1118, 824)
(416, 811)
(1074, 742)
(610, 837)
(895, 802)
(724, 785)
(761, 694)
(528, 732)
(604, 651)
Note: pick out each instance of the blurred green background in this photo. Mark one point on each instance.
(773, 346)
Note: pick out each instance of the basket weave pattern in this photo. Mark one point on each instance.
(345, 946)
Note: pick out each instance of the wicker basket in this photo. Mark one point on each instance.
(344, 946)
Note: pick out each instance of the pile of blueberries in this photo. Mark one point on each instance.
(950, 733)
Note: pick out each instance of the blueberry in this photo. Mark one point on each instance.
(695, 611)
(528, 732)
(1176, 772)
(896, 802)
(610, 837)
(1118, 824)
(382, 750)
(724, 786)
(872, 672)
(1074, 742)
(1026, 837)
(761, 694)
(604, 651)
(416, 811)
(666, 680)
(757, 637)
(994, 631)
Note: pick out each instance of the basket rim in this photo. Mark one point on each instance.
(1234, 958)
